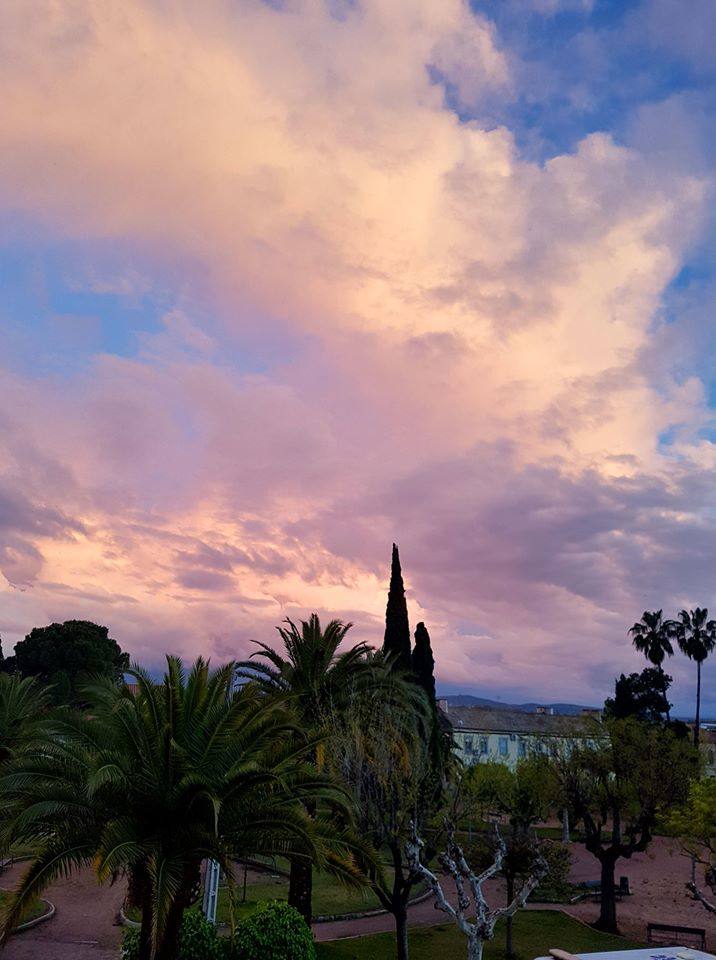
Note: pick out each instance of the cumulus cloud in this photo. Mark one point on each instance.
(457, 341)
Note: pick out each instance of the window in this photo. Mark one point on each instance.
(483, 745)
(468, 744)
(522, 749)
(504, 746)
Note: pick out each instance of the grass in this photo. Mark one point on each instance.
(34, 909)
(330, 898)
(535, 932)
(17, 850)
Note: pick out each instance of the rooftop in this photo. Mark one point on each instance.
(488, 720)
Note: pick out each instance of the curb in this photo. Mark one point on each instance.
(47, 915)
(337, 917)
(10, 861)
(260, 865)
(29, 924)
(125, 921)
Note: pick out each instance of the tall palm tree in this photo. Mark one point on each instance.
(23, 714)
(316, 680)
(148, 784)
(696, 636)
(651, 636)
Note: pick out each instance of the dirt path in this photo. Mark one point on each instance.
(657, 881)
(83, 927)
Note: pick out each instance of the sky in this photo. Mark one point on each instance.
(284, 282)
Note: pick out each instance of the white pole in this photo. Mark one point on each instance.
(211, 890)
(211, 877)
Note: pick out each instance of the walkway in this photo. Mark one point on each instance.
(657, 881)
(83, 927)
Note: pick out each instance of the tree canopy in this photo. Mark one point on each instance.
(64, 655)
(640, 695)
(695, 823)
(151, 783)
(617, 784)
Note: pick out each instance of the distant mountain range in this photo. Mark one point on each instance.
(560, 709)
(467, 700)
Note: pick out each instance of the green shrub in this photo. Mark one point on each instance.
(197, 940)
(130, 945)
(275, 932)
(555, 886)
(559, 863)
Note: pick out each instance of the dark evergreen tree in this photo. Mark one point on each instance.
(423, 662)
(397, 629)
(67, 654)
(641, 695)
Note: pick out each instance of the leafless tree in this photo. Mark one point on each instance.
(695, 890)
(471, 913)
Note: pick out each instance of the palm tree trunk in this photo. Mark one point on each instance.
(146, 949)
(300, 887)
(698, 703)
(300, 878)
(168, 947)
(663, 687)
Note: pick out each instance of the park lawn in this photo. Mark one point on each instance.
(535, 932)
(35, 908)
(330, 897)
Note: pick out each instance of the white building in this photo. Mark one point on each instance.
(484, 733)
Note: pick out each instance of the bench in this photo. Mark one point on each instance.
(671, 935)
(593, 889)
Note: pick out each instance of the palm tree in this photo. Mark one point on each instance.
(23, 714)
(651, 636)
(696, 636)
(148, 784)
(316, 680)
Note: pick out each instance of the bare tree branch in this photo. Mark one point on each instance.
(698, 895)
(453, 861)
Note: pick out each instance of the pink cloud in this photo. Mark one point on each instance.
(467, 362)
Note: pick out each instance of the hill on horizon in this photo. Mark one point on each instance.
(468, 700)
(561, 709)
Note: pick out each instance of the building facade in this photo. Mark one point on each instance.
(507, 736)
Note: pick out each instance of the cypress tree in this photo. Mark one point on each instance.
(397, 629)
(423, 662)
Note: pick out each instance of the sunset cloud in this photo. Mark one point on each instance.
(337, 302)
